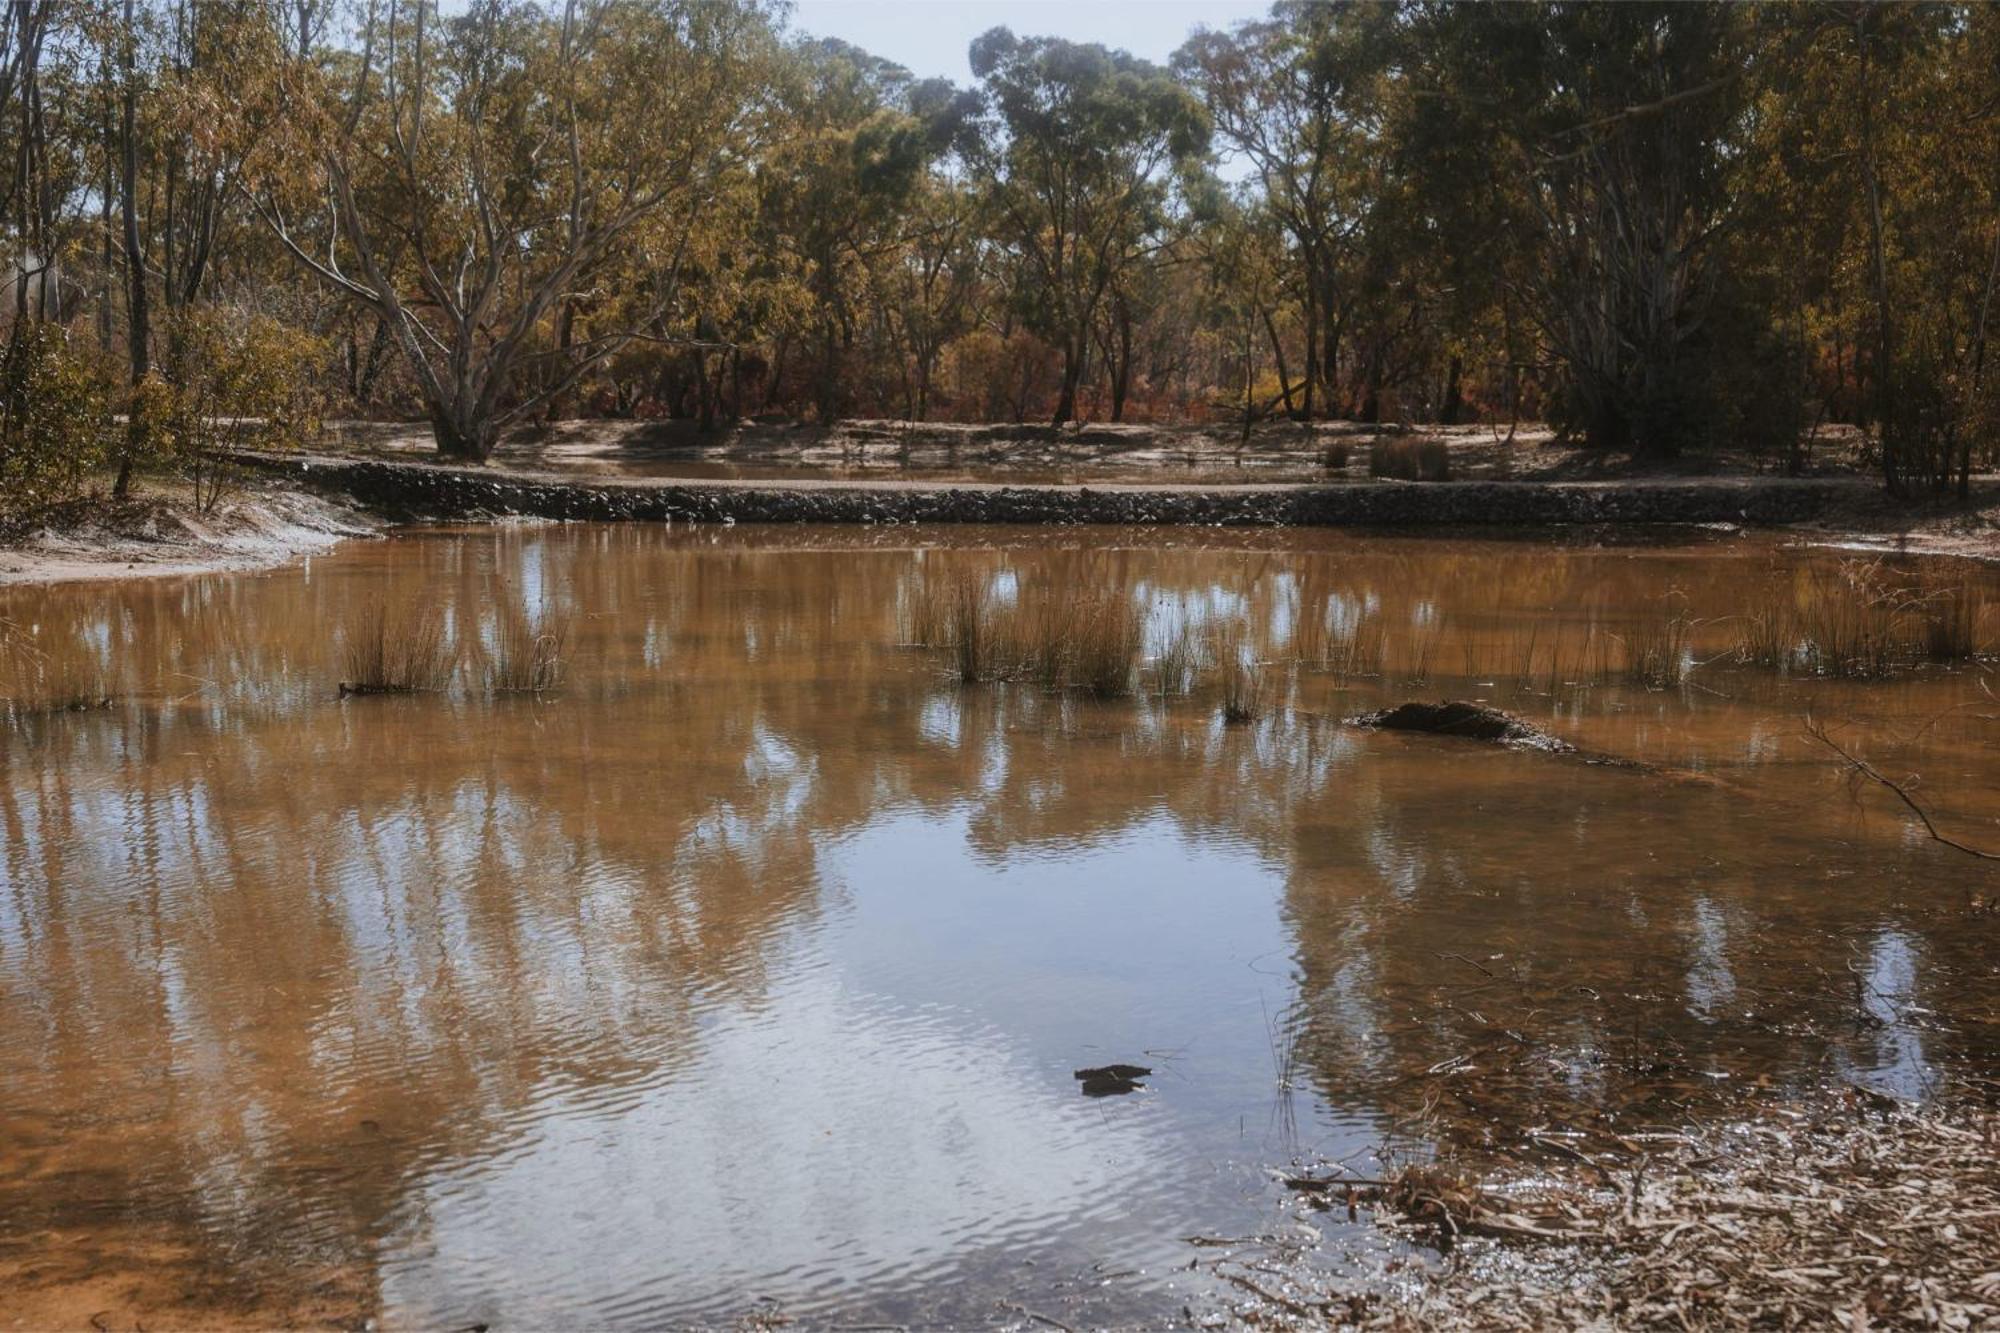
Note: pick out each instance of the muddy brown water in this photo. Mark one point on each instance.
(746, 974)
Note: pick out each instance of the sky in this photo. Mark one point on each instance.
(930, 37)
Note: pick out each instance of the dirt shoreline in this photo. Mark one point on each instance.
(159, 533)
(862, 474)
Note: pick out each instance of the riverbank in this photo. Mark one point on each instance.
(160, 531)
(421, 490)
(299, 504)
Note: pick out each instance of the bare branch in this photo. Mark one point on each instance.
(1817, 730)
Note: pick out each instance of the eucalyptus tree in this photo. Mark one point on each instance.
(1299, 97)
(1076, 155)
(840, 190)
(1624, 128)
(469, 175)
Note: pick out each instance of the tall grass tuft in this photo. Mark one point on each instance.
(1361, 649)
(1180, 659)
(1855, 623)
(1589, 665)
(1239, 675)
(1106, 637)
(1410, 460)
(1768, 634)
(1948, 620)
(1424, 642)
(398, 652)
(1656, 651)
(926, 618)
(971, 629)
(528, 658)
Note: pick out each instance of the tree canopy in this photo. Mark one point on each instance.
(1662, 227)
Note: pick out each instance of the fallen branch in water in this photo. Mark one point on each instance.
(1817, 730)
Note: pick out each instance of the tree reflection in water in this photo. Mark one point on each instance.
(755, 960)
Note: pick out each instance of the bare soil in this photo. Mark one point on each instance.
(160, 531)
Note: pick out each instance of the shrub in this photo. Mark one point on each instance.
(54, 416)
(1410, 460)
(230, 380)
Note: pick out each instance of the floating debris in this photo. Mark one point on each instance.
(1111, 1080)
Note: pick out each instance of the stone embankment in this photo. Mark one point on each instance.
(409, 490)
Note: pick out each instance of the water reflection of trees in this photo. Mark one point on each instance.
(308, 949)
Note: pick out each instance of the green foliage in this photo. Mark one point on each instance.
(54, 416)
(1075, 157)
(1666, 227)
(232, 380)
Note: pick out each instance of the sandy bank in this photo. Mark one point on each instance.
(159, 533)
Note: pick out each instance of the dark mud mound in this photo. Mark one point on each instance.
(1468, 720)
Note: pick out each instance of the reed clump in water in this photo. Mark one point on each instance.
(971, 630)
(1768, 635)
(1855, 623)
(1361, 648)
(926, 619)
(1657, 651)
(1243, 689)
(1424, 642)
(1582, 667)
(1948, 620)
(398, 652)
(1179, 662)
(1060, 640)
(1864, 621)
(1106, 640)
(528, 657)
(1410, 460)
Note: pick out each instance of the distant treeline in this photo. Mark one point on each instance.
(1661, 227)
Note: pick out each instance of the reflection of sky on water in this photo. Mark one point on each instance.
(833, 1141)
(604, 970)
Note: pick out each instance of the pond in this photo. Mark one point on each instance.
(750, 968)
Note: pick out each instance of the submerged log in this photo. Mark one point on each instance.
(1472, 721)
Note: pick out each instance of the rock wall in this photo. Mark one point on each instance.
(430, 491)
